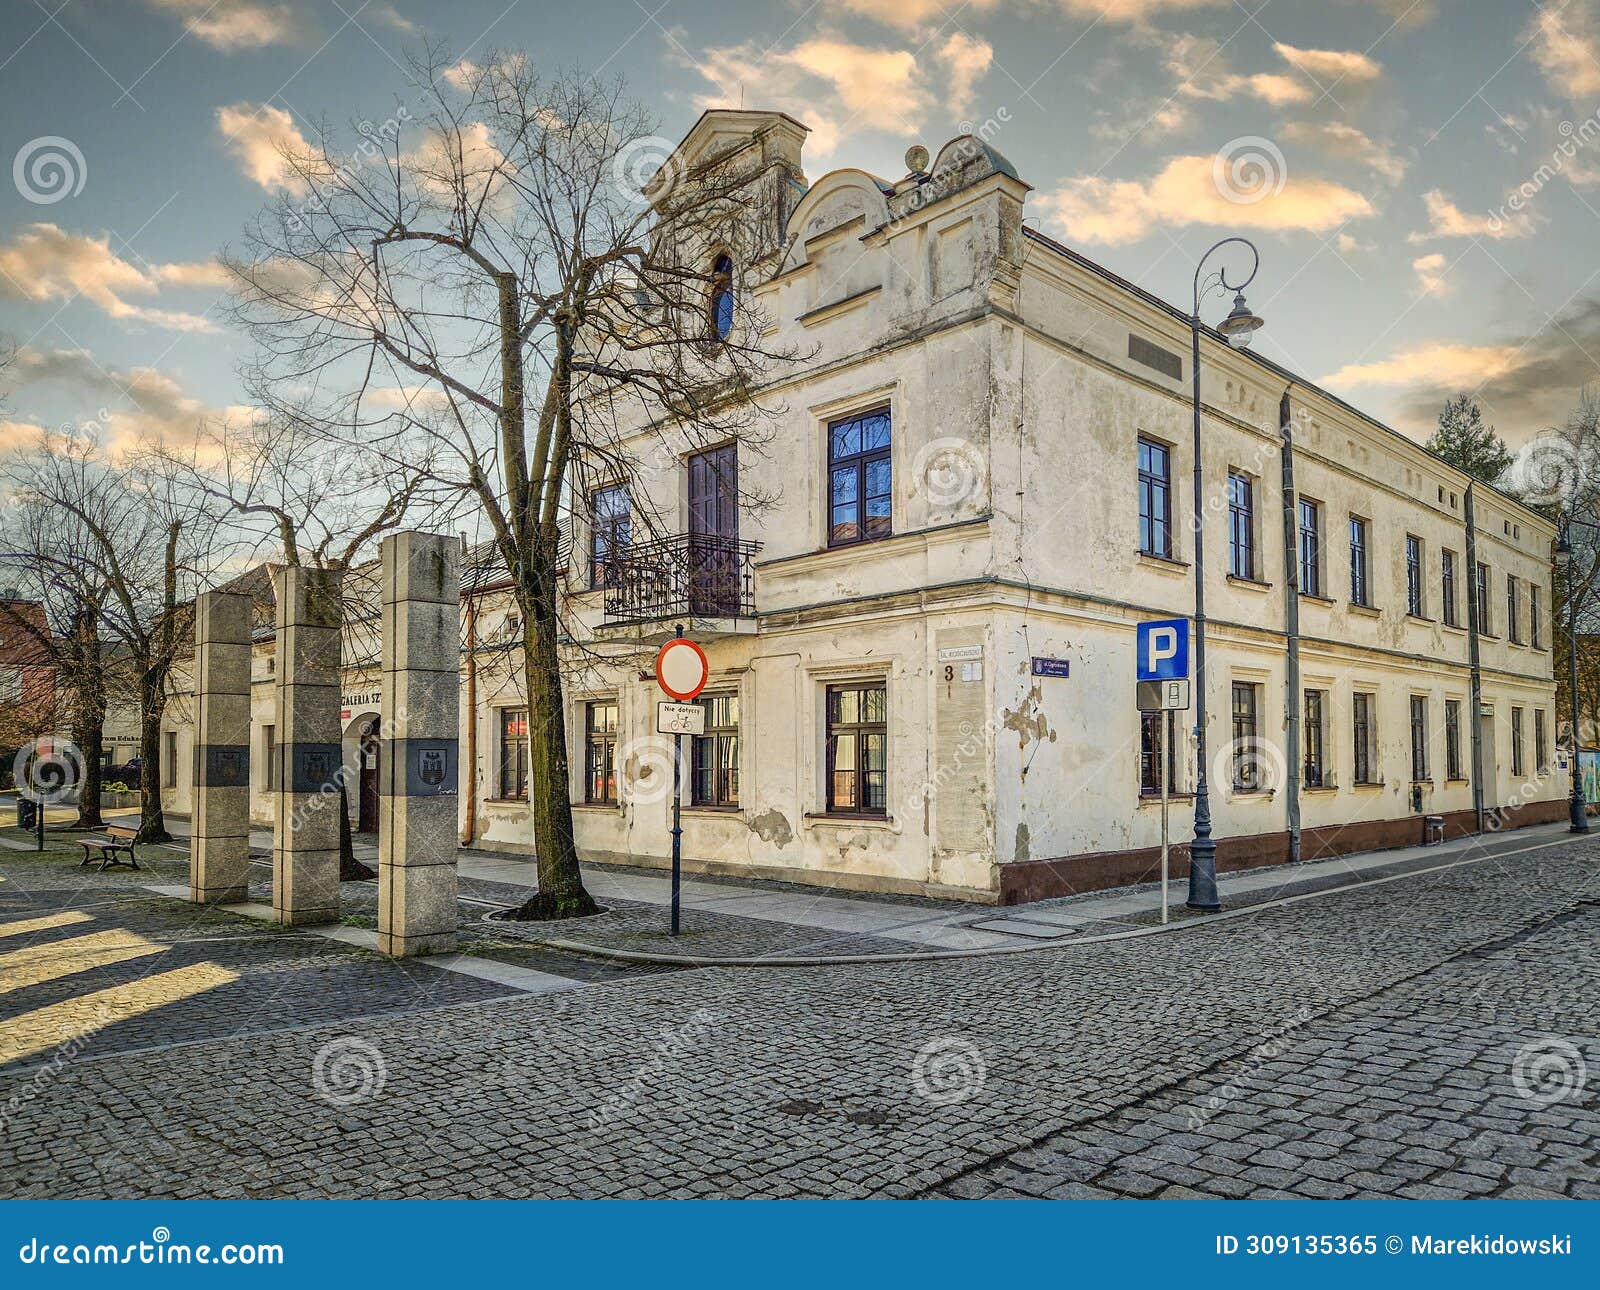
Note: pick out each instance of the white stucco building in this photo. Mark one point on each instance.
(980, 481)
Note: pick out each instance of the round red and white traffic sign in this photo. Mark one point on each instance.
(682, 670)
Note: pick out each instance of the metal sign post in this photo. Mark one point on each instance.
(682, 671)
(1165, 697)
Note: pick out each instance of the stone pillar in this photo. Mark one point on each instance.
(219, 839)
(305, 843)
(418, 774)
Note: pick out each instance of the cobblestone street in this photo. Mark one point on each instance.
(1433, 1036)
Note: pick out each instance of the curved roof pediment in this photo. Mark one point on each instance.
(838, 198)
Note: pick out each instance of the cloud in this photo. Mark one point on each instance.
(1346, 143)
(263, 138)
(1523, 384)
(1198, 65)
(1326, 66)
(232, 24)
(1349, 245)
(1187, 191)
(1564, 41)
(1446, 219)
(120, 407)
(1430, 274)
(45, 263)
(839, 87)
(906, 15)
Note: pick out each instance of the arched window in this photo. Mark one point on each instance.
(722, 296)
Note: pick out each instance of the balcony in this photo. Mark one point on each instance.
(706, 583)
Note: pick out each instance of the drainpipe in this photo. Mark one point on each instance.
(1472, 659)
(1291, 627)
(469, 823)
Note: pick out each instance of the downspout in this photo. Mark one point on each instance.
(1472, 661)
(1291, 582)
(469, 823)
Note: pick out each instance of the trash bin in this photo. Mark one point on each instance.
(27, 813)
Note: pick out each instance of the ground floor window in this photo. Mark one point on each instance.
(857, 753)
(1361, 735)
(1452, 739)
(1541, 754)
(269, 754)
(169, 758)
(1246, 750)
(513, 781)
(1315, 740)
(1419, 737)
(1518, 752)
(714, 769)
(1152, 735)
(600, 752)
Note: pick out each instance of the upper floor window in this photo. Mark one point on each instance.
(1310, 548)
(1241, 525)
(1413, 575)
(722, 297)
(1360, 587)
(10, 685)
(1484, 620)
(1535, 631)
(1447, 587)
(1155, 499)
(1513, 612)
(610, 524)
(859, 478)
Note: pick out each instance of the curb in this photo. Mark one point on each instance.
(928, 956)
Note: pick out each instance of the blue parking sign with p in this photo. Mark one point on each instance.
(1163, 650)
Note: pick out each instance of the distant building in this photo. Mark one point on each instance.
(27, 676)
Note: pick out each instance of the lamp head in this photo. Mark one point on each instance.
(1240, 326)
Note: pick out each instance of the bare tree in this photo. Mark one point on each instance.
(487, 280)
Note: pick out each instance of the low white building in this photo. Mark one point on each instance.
(922, 663)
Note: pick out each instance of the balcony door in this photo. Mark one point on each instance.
(714, 569)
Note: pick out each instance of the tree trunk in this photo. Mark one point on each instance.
(152, 703)
(561, 890)
(90, 736)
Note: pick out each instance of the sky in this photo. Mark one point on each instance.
(1422, 177)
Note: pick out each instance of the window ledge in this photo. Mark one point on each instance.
(1251, 794)
(1367, 783)
(1454, 627)
(505, 801)
(1319, 788)
(1163, 562)
(596, 806)
(1255, 584)
(848, 821)
(1366, 611)
(1418, 618)
(722, 811)
(1321, 600)
(1457, 779)
(1154, 799)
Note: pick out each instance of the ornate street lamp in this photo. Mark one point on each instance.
(1239, 328)
(1578, 810)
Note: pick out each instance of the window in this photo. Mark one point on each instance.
(1513, 614)
(609, 530)
(1359, 592)
(1535, 609)
(10, 685)
(1155, 500)
(1246, 752)
(1447, 587)
(714, 759)
(1152, 726)
(1452, 739)
(1315, 743)
(1361, 734)
(169, 759)
(513, 782)
(1241, 525)
(1413, 575)
(600, 752)
(1484, 619)
(1310, 549)
(1419, 737)
(1518, 749)
(857, 753)
(722, 297)
(858, 478)
(1541, 759)
(269, 755)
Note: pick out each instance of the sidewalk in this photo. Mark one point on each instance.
(729, 919)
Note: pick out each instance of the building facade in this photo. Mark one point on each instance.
(977, 485)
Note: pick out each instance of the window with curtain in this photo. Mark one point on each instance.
(856, 757)
(714, 758)
(513, 781)
(600, 752)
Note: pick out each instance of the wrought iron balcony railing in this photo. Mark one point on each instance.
(688, 575)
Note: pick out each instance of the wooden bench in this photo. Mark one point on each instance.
(117, 842)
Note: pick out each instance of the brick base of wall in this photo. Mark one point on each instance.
(1070, 875)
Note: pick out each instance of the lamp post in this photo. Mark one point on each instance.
(1578, 810)
(1238, 328)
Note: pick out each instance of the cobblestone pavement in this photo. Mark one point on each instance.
(1438, 1035)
